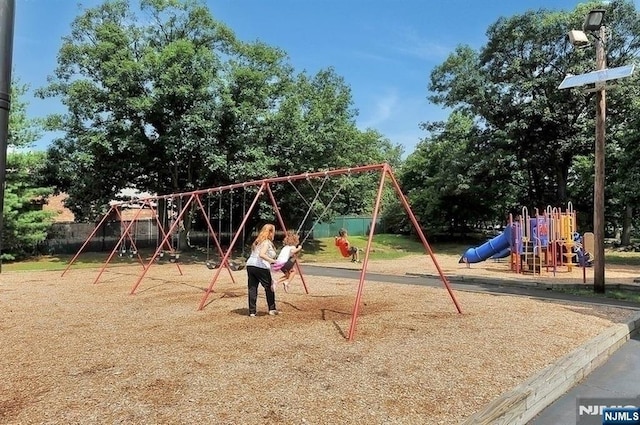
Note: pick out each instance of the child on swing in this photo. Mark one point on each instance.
(345, 247)
(286, 260)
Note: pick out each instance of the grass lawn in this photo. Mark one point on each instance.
(385, 247)
(59, 262)
(623, 258)
(616, 294)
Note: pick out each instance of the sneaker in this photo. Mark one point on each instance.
(252, 315)
(285, 284)
(273, 312)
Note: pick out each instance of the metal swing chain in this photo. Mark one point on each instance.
(244, 214)
(323, 212)
(208, 223)
(231, 234)
(326, 177)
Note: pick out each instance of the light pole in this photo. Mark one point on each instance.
(7, 18)
(599, 183)
(593, 23)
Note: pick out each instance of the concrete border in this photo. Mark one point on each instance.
(529, 284)
(524, 402)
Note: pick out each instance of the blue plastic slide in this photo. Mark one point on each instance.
(492, 247)
(502, 254)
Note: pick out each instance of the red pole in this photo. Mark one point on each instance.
(122, 236)
(215, 239)
(416, 225)
(233, 242)
(354, 170)
(95, 230)
(276, 209)
(164, 241)
(356, 304)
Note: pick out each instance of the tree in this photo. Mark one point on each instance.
(510, 88)
(173, 102)
(623, 155)
(449, 180)
(25, 224)
(139, 100)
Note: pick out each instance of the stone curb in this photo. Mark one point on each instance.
(524, 402)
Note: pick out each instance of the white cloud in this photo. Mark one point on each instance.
(398, 116)
(412, 43)
(383, 108)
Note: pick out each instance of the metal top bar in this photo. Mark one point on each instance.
(350, 170)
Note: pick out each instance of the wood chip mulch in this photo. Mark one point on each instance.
(74, 352)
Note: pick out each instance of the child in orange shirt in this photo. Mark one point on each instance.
(346, 248)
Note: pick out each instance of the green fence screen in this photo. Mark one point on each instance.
(356, 226)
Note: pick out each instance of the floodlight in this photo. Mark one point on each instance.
(578, 38)
(594, 20)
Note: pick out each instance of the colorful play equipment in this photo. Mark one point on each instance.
(546, 241)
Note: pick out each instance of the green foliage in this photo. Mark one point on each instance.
(529, 143)
(167, 100)
(23, 131)
(25, 225)
(450, 184)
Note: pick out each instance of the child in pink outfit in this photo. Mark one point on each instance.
(286, 259)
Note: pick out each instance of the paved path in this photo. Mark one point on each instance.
(615, 382)
(618, 379)
(466, 284)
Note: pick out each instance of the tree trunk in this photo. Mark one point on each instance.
(625, 238)
(561, 179)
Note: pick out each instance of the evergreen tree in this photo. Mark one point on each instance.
(25, 224)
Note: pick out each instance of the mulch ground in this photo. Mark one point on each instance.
(77, 352)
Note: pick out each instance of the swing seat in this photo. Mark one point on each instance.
(233, 265)
(345, 252)
(344, 255)
(236, 266)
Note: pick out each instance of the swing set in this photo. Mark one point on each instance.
(194, 200)
(231, 264)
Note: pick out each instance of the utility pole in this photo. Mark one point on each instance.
(7, 19)
(599, 182)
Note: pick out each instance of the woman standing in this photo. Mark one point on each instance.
(258, 266)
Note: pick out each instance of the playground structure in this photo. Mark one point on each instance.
(189, 202)
(547, 241)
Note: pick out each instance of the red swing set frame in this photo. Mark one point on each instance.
(263, 186)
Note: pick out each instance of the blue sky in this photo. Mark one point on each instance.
(384, 49)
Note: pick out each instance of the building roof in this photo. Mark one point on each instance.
(63, 214)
